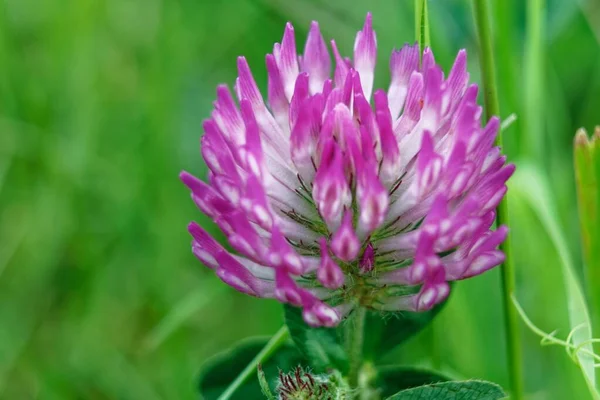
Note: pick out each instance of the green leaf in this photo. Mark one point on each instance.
(587, 171)
(385, 333)
(531, 186)
(456, 390)
(322, 347)
(391, 379)
(217, 373)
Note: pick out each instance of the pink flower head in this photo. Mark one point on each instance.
(335, 196)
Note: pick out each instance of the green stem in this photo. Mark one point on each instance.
(513, 338)
(482, 20)
(422, 24)
(503, 18)
(422, 36)
(276, 341)
(355, 332)
(486, 53)
(534, 81)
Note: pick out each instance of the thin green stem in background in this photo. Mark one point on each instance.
(355, 332)
(505, 22)
(276, 341)
(422, 37)
(533, 118)
(486, 54)
(513, 338)
(422, 24)
(490, 91)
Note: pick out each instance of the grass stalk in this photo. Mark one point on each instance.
(422, 31)
(276, 341)
(422, 35)
(534, 104)
(492, 108)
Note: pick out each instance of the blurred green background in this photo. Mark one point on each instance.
(101, 103)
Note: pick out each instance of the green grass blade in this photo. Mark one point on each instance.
(181, 312)
(531, 186)
(486, 51)
(276, 341)
(587, 162)
(422, 32)
(504, 19)
(534, 80)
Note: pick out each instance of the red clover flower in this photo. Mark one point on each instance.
(334, 196)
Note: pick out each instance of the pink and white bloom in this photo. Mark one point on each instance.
(335, 196)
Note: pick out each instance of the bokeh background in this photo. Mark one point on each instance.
(101, 104)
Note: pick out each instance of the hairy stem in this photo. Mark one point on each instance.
(492, 108)
(355, 332)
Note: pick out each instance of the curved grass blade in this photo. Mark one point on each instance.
(531, 186)
(181, 312)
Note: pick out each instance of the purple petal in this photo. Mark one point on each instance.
(228, 117)
(429, 165)
(303, 142)
(299, 98)
(316, 60)
(282, 255)
(321, 315)
(365, 54)
(367, 261)
(287, 60)
(246, 86)
(344, 242)
(403, 63)
(204, 247)
(329, 273)
(341, 66)
(412, 106)
(286, 289)
(390, 164)
(433, 292)
(277, 99)
(331, 191)
(373, 201)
